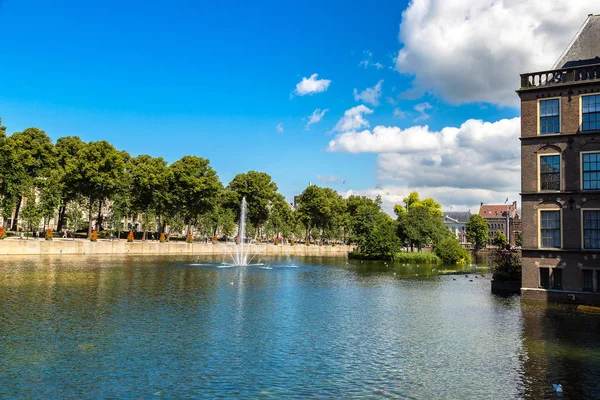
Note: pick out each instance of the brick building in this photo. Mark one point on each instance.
(560, 167)
(496, 217)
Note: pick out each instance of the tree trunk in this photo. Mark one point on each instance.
(61, 217)
(16, 218)
(90, 219)
(144, 235)
(99, 221)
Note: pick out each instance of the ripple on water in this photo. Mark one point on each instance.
(119, 327)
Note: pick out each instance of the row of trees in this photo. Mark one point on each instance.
(74, 181)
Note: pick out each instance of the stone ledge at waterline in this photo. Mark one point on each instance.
(80, 247)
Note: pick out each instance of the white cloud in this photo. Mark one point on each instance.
(449, 197)
(398, 113)
(316, 116)
(386, 139)
(329, 179)
(474, 51)
(369, 95)
(421, 109)
(368, 61)
(311, 85)
(477, 155)
(279, 127)
(353, 119)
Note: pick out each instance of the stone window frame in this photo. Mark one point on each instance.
(581, 153)
(539, 116)
(581, 112)
(551, 277)
(583, 209)
(594, 287)
(539, 172)
(539, 227)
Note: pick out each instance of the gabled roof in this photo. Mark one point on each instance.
(458, 216)
(585, 46)
(496, 210)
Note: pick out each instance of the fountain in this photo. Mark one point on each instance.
(241, 254)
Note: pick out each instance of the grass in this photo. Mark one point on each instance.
(417, 258)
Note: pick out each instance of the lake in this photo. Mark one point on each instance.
(76, 327)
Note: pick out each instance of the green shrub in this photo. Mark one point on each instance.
(416, 258)
(507, 264)
(450, 251)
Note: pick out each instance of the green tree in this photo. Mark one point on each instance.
(281, 218)
(149, 179)
(450, 251)
(96, 173)
(32, 213)
(75, 214)
(260, 192)
(66, 150)
(375, 232)
(499, 239)
(519, 239)
(194, 188)
(413, 201)
(420, 226)
(477, 231)
(25, 159)
(312, 208)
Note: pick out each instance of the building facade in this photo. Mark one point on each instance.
(560, 181)
(501, 218)
(456, 222)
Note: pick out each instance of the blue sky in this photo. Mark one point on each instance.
(214, 79)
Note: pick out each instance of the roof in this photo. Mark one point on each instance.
(458, 216)
(585, 46)
(496, 210)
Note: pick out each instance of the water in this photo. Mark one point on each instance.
(241, 253)
(180, 327)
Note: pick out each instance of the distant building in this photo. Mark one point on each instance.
(456, 222)
(497, 217)
(560, 174)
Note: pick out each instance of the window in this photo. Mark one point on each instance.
(590, 113)
(557, 278)
(550, 116)
(590, 171)
(550, 229)
(550, 172)
(588, 280)
(544, 277)
(591, 229)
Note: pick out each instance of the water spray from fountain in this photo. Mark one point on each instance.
(242, 251)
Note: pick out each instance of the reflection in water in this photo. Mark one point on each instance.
(118, 327)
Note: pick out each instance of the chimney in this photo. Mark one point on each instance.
(481, 204)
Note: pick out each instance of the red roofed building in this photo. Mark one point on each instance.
(496, 215)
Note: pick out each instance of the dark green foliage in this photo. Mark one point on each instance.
(519, 239)
(477, 231)
(507, 264)
(374, 231)
(194, 187)
(499, 239)
(450, 251)
(421, 226)
(258, 189)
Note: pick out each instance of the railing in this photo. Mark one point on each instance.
(560, 76)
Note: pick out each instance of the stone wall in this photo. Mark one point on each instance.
(81, 247)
